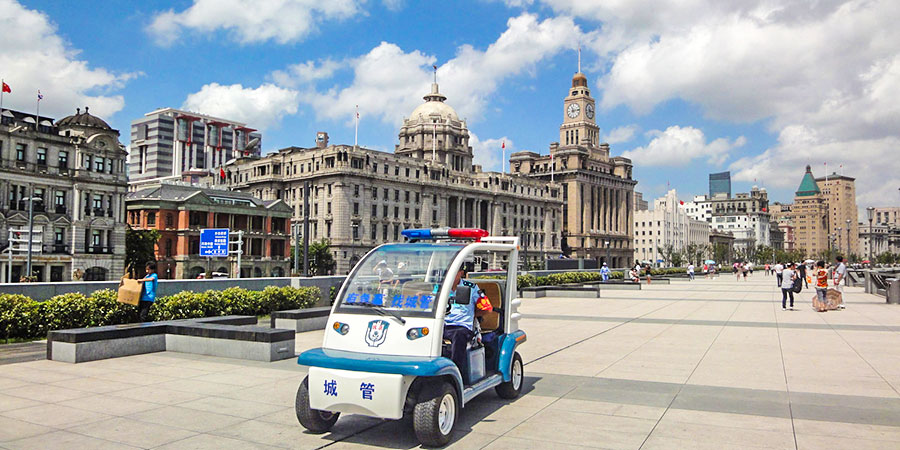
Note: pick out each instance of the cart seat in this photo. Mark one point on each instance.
(492, 289)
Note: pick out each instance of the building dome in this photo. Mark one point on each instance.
(579, 80)
(83, 119)
(434, 104)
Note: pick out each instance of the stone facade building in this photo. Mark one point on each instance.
(182, 145)
(746, 215)
(597, 190)
(809, 215)
(667, 224)
(180, 211)
(75, 171)
(360, 198)
(839, 192)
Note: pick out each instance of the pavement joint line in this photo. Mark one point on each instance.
(694, 370)
(595, 335)
(787, 385)
(383, 422)
(744, 324)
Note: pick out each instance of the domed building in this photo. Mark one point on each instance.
(75, 171)
(361, 198)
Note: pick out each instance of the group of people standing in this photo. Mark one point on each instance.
(742, 269)
(790, 276)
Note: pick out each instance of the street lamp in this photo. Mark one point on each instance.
(849, 250)
(30, 201)
(870, 214)
(838, 239)
(608, 262)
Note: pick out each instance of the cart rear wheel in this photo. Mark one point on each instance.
(312, 419)
(513, 387)
(435, 415)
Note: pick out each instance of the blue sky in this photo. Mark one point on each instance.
(684, 88)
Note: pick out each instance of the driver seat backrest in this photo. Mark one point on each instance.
(491, 320)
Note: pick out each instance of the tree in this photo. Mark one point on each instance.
(321, 262)
(764, 254)
(140, 248)
(720, 253)
(677, 258)
(667, 251)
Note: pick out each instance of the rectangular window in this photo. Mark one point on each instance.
(356, 190)
(20, 152)
(328, 211)
(384, 211)
(42, 156)
(98, 202)
(355, 228)
(356, 209)
(63, 160)
(374, 211)
(396, 195)
(396, 212)
(60, 198)
(59, 235)
(98, 164)
(434, 217)
(374, 234)
(407, 196)
(374, 193)
(406, 213)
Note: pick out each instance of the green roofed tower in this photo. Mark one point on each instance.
(808, 186)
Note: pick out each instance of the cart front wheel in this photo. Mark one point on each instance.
(435, 415)
(312, 419)
(512, 388)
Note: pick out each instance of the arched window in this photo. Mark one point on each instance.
(170, 221)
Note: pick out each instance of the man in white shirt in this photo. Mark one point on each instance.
(839, 273)
(690, 271)
(778, 273)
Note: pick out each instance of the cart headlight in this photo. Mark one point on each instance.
(341, 328)
(415, 333)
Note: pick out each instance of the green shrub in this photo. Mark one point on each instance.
(22, 317)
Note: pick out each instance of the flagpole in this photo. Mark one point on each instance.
(356, 134)
(434, 143)
(552, 167)
(2, 85)
(37, 116)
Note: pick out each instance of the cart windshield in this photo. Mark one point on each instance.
(402, 278)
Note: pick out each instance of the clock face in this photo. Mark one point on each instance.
(573, 110)
(589, 111)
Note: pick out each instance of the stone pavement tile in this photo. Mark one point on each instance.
(400, 434)
(284, 416)
(132, 432)
(294, 372)
(12, 429)
(239, 408)
(135, 376)
(723, 435)
(57, 416)
(211, 365)
(656, 442)
(578, 428)
(626, 392)
(94, 385)
(510, 443)
(192, 385)
(609, 409)
(212, 442)
(492, 418)
(23, 372)
(816, 441)
(294, 436)
(234, 379)
(172, 371)
(9, 383)
(109, 404)
(157, 394)
(45, 393)
(64, 439)
(279, 392)
(849, 430)
(9, 402)
(779, 424)
(187, 419)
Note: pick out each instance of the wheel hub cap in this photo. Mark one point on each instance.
(446, 414)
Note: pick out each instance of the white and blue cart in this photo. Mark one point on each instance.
(382, 351)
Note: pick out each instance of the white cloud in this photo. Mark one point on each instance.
(250, 21)
(35, 57)
(489, 153)
(677, 146)
(305, 73)
(389, 82)
(620, 135)
(823, 75)
(261, 107)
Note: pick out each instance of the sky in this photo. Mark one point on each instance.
(684, 88)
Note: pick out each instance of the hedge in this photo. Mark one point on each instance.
(22, 317)
(556, 279)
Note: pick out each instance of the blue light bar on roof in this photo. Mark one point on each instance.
(443, 233)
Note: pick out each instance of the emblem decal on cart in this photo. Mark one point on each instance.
(376, 333)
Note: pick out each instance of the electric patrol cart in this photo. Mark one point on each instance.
(382, 351)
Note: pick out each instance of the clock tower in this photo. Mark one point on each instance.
(579, 128)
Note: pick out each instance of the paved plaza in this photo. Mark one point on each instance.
(706, 364)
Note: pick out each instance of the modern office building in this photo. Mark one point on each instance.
(666, 227)
(360, 198)
(745, 215)
(179, 211)
(720, 184)
(181, 145)
(73, 171)
(597, 189)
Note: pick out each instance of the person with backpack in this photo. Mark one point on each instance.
(787, 286)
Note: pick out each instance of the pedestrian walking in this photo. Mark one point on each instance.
(768, 269)
(690, 271)
(148, 294)
(821, 286)
(736, 268)
(787, 286)
(779, 270)
(803, 275)
(745, 269)
(840, 273)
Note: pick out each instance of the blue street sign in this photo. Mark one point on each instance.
(214, 242)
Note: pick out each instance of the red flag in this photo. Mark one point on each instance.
(503, 145)
(222, 173)
(680, 202)
(6, 88)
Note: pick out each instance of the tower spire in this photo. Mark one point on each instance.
(579, 59)
(435, 72)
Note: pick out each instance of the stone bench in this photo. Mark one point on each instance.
(617, 285)
(307, 319)
(561, 291)
(226, 336)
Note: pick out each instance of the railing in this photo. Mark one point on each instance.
(100, 249)
(57, 249)
(61, 209)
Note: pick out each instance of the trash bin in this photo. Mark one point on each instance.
(892, 290)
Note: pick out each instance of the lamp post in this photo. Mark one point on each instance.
(608, 262)
(849, 250)
(870, 214)
(30, 201)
